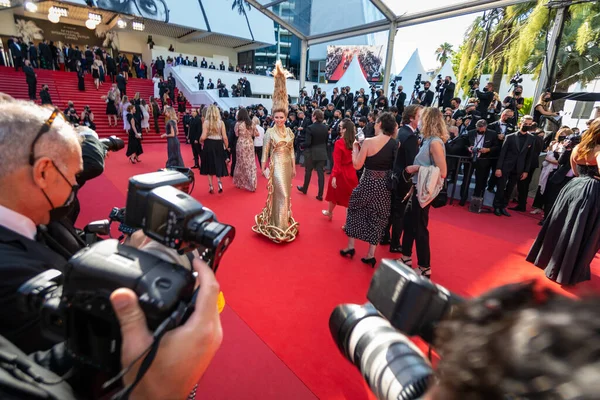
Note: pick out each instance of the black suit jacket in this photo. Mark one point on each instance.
(364, 111)
(195, 129)
(400, 101)
(514, 158)
(447, 94)
(315, 141)
(497, 127)
(405, 155)
(45, 96)
(121, 83)
(538, 146)
(490, 141)
(20, 260)
(426, 98)
(30, 75)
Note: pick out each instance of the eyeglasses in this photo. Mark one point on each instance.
(44, 129)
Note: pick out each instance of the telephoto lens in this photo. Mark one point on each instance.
(393, 366)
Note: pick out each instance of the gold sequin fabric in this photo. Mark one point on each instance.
(276, 221)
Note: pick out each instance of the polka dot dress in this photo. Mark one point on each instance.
(369, 207)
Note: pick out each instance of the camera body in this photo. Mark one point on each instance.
(475, 154)
(75, 305)
(516, 79)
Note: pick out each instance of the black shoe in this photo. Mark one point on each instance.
(369, 261)
(541, 223)
(491, 190)
(504, 212)
(196, 166)
(384, 242)
(320, 198)
(462, 202)
(347, 253)
(518, 208)
(301, 189)
(497, 212)
(395, 249)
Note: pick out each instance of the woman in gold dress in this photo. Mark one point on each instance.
(276, 221)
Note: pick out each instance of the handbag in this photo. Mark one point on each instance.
(442, 198)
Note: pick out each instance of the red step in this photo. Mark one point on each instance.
(63, 87)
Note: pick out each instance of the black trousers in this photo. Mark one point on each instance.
(329, 156)
(319, 166)
(258, 152)
(233, 147)
(18, 63)
(196, 149)
(506, 185)
(482, 171)
(416, 220)
(156, 128)
(31, 86)
(396, 223)
(493, 181)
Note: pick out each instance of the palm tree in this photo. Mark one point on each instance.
(444, 52)
(241, 9)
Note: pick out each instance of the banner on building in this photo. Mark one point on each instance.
(339, 59)
(35, 30)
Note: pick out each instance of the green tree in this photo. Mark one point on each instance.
(443, 53)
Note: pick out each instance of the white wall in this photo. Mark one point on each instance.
(7, 23)
(569, 107)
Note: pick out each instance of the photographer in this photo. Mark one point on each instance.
(514, 103)
(71, 114)
(482, 144)
(87, 118)
(502, 128)
(447, 92)
(425, 97)
(485, 97)
(381, 103)
(472, 115)
(400, 100)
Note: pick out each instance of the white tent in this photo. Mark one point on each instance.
(410, 71)
(353, 77)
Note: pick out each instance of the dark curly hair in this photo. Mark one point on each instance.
(520, 342)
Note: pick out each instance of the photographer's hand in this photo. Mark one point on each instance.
(184, 353)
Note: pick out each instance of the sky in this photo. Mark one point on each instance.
(425, 37)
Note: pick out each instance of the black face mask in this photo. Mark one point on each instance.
(526, 128)
(561, 138)
(518, 93)
(547, 98)
(447, 81)
(58, 213)
(485, 89)
(481, 132)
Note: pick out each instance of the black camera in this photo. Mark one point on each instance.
(418, 83)
(113, 143)
(475, 154)
(75, 305)
(367, 335)
(516, 79)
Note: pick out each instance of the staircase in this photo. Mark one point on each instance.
(63, 88)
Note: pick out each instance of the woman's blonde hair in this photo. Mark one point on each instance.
(280, 96)
(171, 114)
(589, 139)
(433, 124)
(213, 117)
(256, 121)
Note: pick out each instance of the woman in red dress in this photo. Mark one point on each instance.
(343, 178)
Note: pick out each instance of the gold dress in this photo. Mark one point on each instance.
(276, 221)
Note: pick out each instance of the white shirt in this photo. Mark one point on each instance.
(258, 141)
(17, 223)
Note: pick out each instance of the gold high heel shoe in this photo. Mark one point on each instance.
(327, 214)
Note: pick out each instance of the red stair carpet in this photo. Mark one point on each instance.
(279, 297)
(63, 88)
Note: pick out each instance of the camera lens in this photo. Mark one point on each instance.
(392, 365)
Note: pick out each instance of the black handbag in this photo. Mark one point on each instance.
(442, 198)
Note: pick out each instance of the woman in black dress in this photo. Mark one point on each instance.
(370, 203)
(134, 145)
(111, 104)
(214, 142)
(570, 236)
(174, 158)
(80, 76)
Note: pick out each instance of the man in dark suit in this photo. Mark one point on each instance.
(46, 55)
(408, 142)
(425, 96)
(122, 84)
(362, 110)
(400, 100)
(315, 152)
(483, 142)
(160, 66)
(17, 54)
(447, 93)
(349, 99)
(45, 95)
(222, 66)
(111, 68)
(502, 127)
(33, 55)
(203, 63)
(485, 97)
(195, 133)
(247, 88)
(333, 136)
(31, 78)
(513, 166)
(303, 124)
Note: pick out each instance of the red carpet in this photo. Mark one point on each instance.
(340, 71)
(277, 343)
